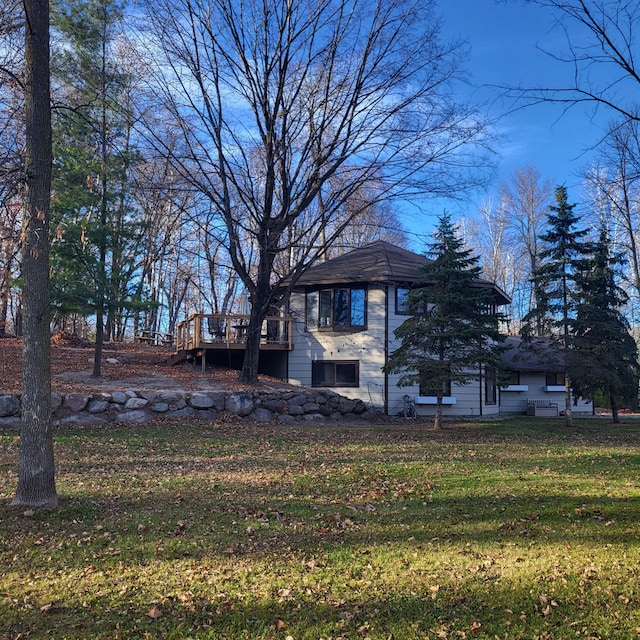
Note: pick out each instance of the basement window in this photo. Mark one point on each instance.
(335, 373)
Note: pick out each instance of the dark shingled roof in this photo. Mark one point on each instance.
(379, 262)
(534, 354)
(375, 262)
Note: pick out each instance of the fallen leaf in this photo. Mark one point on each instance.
(154, 612)
(279, 624)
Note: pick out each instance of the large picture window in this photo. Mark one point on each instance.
(335, 373)
(339, 308)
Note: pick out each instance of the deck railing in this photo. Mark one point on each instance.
(229, 331)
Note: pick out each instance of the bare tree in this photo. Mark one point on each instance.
(612, 188)
(287, 109)
(36, 477)
(524, 204)
(487, 235)
(11, 154)
(601, 42)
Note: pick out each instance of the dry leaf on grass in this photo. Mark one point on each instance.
(155, 612)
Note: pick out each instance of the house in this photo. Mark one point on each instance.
(537, 378)
(345, 313)
(339, 331)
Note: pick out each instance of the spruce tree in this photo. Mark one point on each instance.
(604, 355)
(453, 330)
(555, 281)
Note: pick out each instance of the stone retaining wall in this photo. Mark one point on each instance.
(284, 406)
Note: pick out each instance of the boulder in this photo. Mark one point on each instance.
(201, 400)
(261, 415)
(137, 416)
(181, 413)
(97, 406)
(119, 397)
(56, 401)
(9, 405)
(11, 422)
(82, 420)
(205, 414)
(136, 403)
(76, 401)
(239, 403)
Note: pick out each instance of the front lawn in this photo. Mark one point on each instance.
(517, 529)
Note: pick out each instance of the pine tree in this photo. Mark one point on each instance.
(98, 233)
(603, 353)
(453, 330)
(555, 281)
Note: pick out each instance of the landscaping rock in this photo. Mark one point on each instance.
(313, 417)
(261, 415)
(207, 415)
(138, 415)
(76, 401)
(119, 397)
(97, 406)
(181, 413)
(56, 401)
(136, 403)
(9, 405)
(11, 422)
(201, 401)
(82, 420)
(239, 403)
(297, 400)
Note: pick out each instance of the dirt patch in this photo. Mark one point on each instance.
(124, 366)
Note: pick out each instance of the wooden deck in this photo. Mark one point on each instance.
(218, 331)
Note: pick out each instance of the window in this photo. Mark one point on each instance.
(429, 385)
(514, 377)
(402, 301)
(554, 379)
(335, 373)
(490, 395)
(341, 308)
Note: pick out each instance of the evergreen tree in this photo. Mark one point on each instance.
(453, 331)
(97, 223)
(554, 281)
(604, 355)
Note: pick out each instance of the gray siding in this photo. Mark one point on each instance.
(368, 348)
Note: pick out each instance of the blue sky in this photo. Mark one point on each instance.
(505, 40)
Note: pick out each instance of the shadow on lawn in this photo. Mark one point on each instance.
(201, 527)
(483, 605)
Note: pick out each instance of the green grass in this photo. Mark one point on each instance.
(515, 529)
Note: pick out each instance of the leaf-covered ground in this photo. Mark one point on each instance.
(519, 529)
(125, 365)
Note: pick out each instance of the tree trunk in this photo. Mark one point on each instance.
(251, 359)
(437, 420)
(568, 415)
(36, 477)
(614, 407)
